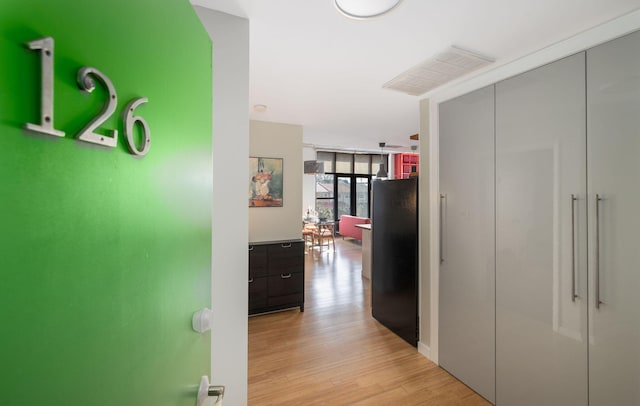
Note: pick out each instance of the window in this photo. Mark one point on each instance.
(345, 187)
(329, 159)
(344, 195)
(362, 196)
(324, 196)
(375, 163)
(362, 164)
(344, 163)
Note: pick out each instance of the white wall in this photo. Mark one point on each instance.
(424, 343)
(229, 341)
(308, 182)
(429, 118)
(275, 140)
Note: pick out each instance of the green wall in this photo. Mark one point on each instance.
(104, 256)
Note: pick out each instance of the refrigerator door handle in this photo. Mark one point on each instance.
(443, 198)
(597, 253)
(574, 295)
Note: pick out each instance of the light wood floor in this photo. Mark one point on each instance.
(335, 353)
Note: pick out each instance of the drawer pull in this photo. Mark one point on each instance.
(250, 247)
(250, 280)
(285, 276)
(287, 245)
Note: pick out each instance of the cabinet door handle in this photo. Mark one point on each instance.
(285, 275)
(250, 280)
(250, 247)
(573, 248)
(598, 301)
(443, 198)
(287, 245)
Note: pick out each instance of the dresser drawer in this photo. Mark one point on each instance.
(257, 293)
(276, 275)
(258, 287)
(293, 300)
(286, 257)
(258, 260)
(285, 284)
(256, 305)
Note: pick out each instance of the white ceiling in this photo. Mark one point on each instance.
(314, 67)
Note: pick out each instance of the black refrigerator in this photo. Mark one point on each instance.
(394, 273)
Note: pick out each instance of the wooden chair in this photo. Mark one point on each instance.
(325, 232)
(308, 234)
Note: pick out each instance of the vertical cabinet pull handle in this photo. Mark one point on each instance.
(573, 248)
(250, 280)
(250, 247)
(441, 228)
(597, 264)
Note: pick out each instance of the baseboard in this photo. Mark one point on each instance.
(424, 349)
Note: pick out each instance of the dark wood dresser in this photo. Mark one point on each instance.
(276, 275)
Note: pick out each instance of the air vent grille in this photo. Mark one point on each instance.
(436, 71)
(313, 167)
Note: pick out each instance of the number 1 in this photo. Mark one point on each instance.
(45, 46)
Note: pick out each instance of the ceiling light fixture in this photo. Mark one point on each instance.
(365, 9)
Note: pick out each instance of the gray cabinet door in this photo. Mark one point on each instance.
(613, 136)
(467, 272)
(541, 284)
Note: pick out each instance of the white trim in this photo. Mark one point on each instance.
(229, 261)
(580, 42)
(424, 350)
(434, 196)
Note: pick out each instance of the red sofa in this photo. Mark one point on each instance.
(348, 226)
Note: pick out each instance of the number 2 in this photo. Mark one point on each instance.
(86, 83)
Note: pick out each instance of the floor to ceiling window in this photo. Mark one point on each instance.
(325, 198)
(345, 187)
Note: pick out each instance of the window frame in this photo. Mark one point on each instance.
(353, 176)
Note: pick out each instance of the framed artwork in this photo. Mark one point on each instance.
(265, 182)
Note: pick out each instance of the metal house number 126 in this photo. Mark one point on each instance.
(87, 83)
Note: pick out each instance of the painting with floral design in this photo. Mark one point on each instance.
(265, 182)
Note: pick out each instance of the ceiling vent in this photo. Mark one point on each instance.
(436, 71)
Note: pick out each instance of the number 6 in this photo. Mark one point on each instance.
(129, 121)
